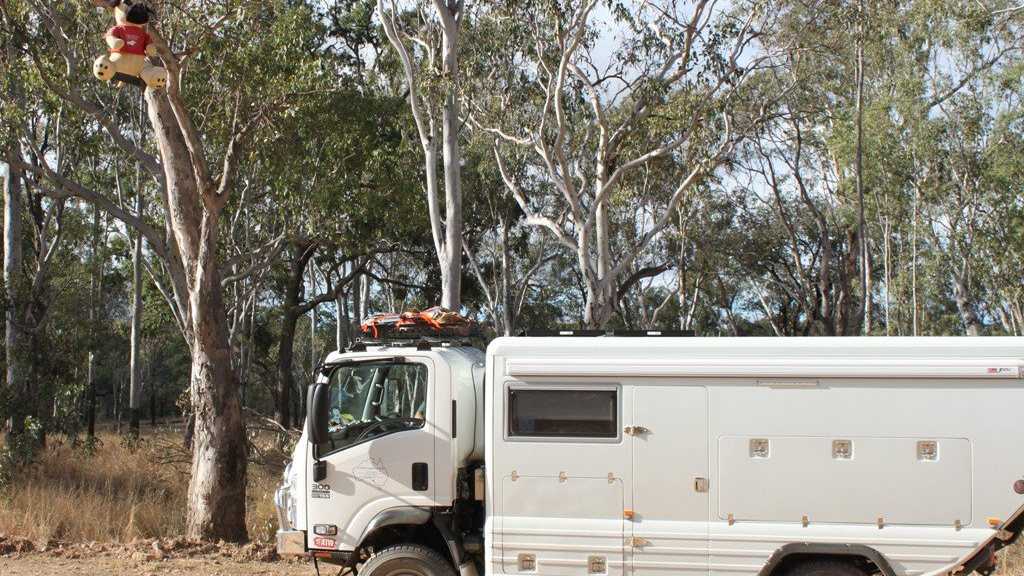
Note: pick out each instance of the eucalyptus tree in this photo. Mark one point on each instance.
(344, 194)
(211, 71)
(426, 39)
(942, 103)
(1005, 244)
(507, 258)
(847, 165)
(589, 110)
(972, 103)
(35, 238)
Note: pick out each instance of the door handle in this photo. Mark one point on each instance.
(420, 476)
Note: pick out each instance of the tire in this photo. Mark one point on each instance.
(407, 560)
(824, 567)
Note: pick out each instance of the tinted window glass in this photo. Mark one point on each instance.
(563, 413)
(370, 400)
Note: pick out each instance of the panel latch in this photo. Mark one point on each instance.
(701, 484)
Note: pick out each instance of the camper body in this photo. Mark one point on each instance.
(649, 456)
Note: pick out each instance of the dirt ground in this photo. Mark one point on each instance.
(151, 557)
(43, 565)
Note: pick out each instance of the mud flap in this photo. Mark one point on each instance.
(1010, 530)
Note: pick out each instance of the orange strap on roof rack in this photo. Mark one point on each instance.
(432, 321)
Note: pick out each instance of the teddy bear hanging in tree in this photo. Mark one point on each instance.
(130, 45)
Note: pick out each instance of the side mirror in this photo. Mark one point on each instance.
(317, 413)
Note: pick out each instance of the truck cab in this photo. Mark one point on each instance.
(387, 458)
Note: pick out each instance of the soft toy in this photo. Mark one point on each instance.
(130, 44)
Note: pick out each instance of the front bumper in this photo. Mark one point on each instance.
(291, 543)
(281, 503)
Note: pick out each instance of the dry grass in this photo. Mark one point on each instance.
(1011, 560)
(120, 493)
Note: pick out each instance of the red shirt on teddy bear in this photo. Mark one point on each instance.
(135, 39)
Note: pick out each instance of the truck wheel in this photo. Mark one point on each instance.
(824, 567)
(407, 560)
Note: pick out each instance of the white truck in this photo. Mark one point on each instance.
(615, 455)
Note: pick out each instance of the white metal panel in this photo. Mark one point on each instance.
(982, 413)
(780, 367)
(582, 462)
(643, 350)
(670, 515)
(883, 479)
(561, 522)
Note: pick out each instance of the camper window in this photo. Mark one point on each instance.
(562, 413)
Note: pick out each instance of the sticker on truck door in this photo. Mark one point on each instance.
(372, 471)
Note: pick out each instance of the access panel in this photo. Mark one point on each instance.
(671, 482)
(917, 481)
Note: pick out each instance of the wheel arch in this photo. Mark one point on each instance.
(397, 516)
(791, 554)
(413, 524)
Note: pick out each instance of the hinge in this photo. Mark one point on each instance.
(636, 430)
(638, 542)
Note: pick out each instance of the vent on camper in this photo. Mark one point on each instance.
(842, 449)
(927, 450)
(760, 448)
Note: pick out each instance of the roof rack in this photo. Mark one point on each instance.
(418, 342)
(544, 332)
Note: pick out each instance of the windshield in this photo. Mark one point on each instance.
(369, 400)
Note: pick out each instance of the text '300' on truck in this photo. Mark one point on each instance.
(647, 455)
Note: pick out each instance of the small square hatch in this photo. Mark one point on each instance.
(927, 451)
(760, 448)
(527, 563)
(842, 449)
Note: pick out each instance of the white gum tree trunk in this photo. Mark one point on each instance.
(446, 228)
(12, 267)
(216, 494)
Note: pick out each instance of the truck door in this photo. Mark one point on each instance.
(380, 453)
(670, 481)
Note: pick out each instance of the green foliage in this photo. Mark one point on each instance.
(764, 244)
